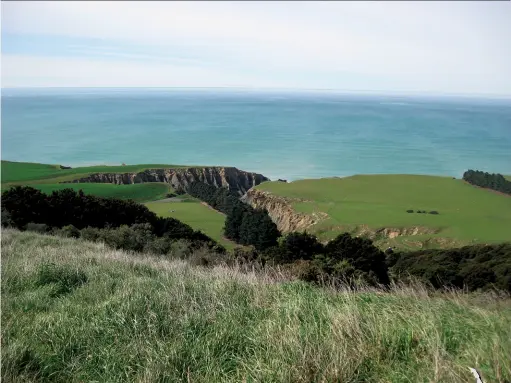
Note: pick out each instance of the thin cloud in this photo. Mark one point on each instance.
(447, 47)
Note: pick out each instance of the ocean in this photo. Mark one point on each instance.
(289, 135)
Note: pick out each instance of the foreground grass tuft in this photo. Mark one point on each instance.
(126, 317)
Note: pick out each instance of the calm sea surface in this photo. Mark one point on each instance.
(282, 135)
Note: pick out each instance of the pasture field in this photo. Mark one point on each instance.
(137, 192)
(196, 214)
(467, 214)
(27, 172)
(76, 311)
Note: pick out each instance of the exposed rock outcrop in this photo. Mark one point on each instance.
(280, 211)
(393, 232)
(179, 178)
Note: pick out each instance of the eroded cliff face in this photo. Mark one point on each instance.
(231, 178)
(280, 211)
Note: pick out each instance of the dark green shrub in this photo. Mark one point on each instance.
(409, 211)
(69, 231)
(476, 276)
(297, 246)
(349, 256)
(307, 271)
(128, 238)
(90, 234)
(159, 245)
(181, 249)
(25, 205)
(474, 267)
(433, 212)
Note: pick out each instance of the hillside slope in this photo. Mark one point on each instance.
(76, 311)
(376, 205)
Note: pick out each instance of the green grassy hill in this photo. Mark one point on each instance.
(369, 202)
(48, 177)
(27, 172)
(74, 311)
(196, 214)
(137, 192)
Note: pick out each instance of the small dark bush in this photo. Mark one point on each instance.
(65, 278)
(307, 271)
(171, 195)
(37, 227)
(351, 257)
(433, 212)
(69, 231)
(132, 238)
(90, 234)
(409, 211)
(299, 246)
(159, 245)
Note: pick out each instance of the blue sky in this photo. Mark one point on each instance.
(433, 47)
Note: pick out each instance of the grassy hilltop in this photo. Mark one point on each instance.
(76, 311)
(48, 177)
(365, 203)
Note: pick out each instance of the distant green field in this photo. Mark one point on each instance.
(38, 173)
(467, 214)
(195, 214)
(137, 192)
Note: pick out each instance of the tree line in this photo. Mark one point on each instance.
(23, 205)
(472, 267)
(243, 224)
(353, 259)
(486, 180)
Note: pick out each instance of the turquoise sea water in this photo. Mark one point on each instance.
(282, 135)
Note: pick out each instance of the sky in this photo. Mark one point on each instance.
(419, 47)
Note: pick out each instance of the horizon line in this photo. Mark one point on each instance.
(254, 88)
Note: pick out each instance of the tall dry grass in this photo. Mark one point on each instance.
(74, 311)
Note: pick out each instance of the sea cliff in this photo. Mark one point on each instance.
(232, 178)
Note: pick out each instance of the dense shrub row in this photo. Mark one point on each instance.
(348, 258)
(486, 180)
(472, 267)
(243, 224)
(140, 238)
(22, 206)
